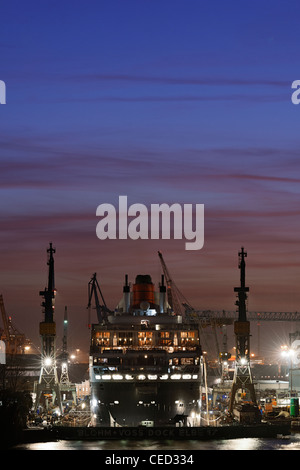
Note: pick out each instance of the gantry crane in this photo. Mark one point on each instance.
(215, 318)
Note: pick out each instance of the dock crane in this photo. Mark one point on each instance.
(101, 310)
(176, 299)
(243, 379)
(15, 342)
(48, 383)
(181, 306)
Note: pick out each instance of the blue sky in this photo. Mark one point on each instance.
(163, 101)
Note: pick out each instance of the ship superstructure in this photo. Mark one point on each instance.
(145, 361)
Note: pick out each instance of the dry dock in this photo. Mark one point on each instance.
(173, 433)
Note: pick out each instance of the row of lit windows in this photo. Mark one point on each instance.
(161, 338)
(147, 360)
(141, 377)
(161, 334)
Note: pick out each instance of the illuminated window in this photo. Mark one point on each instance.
(187, 361)
(102, 360)
(165, 334)
(145, 338)
(125, 338)
(187, 338)
(165, 338)
(102, 338)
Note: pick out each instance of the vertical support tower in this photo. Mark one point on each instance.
(242, 375)
(48, 381)
(65, 385)
(64, 378)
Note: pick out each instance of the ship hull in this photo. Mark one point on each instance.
(150, 404)
(173, 433)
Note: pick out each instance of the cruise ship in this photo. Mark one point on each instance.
(145, 361)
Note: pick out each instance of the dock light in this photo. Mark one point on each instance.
(48, 361)
(286, 352)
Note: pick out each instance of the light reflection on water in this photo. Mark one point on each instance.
(293, 443)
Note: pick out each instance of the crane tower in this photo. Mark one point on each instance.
(48, 381)
(242, 375)
(65, 385)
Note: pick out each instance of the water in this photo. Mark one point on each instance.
(155, 446)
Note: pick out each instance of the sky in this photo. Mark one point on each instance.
(165, 102)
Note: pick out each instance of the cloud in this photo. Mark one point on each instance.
(210, 81)
(264, 178)
(38, 162)
(250, 98)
